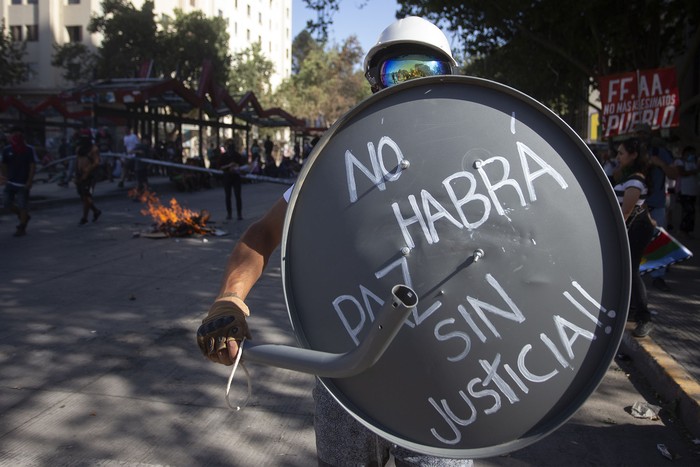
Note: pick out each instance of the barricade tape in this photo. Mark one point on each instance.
(193, 168)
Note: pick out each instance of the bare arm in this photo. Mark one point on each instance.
(252, 252)
(95, 157)
(629, 200)
(244, 267)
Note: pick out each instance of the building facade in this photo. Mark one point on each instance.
(45, 23)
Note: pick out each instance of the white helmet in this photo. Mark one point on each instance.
(411, 30)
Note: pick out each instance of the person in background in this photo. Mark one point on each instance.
(142, 151)
(103, 141)
(687, 189)
(608, 160)
(86, 163)
(632, 193)
(268, 145)
(17, 168)
(408, 44)
(661, 168)
(230, 164)
(131, 140)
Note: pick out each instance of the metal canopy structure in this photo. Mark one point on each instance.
(148, 100)
(171, 94)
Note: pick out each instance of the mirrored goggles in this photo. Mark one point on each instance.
(396, 70)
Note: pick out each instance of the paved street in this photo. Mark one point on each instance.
(99, 366)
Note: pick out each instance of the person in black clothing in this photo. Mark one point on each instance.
(17, 167)
(230, 163)
(142, 151)
(103, 141)
(269, 146)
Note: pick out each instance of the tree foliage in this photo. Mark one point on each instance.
(251, 71)
(325, 9)
(129, 37)
(555, 49)
(327, 84)
(188, 39)
(302, 45)
(77, 62)
(12, 69)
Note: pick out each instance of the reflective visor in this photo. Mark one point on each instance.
(396, 70)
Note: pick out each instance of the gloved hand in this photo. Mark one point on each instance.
(222, 329)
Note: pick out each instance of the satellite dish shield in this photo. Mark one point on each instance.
(498, 216)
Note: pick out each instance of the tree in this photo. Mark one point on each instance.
(327, 84)
(129, 37)
(251, 71)
(12, 69)
(555, 49)
(302, 45)
(325, 9)
(77, 62)
(188, 40)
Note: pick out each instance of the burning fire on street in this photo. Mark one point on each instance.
(173, 220)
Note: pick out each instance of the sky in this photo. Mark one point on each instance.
(366, 22)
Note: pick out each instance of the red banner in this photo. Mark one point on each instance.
(642, 96)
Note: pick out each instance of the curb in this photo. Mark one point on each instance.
(667, 377)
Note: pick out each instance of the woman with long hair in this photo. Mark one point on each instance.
(631, 191)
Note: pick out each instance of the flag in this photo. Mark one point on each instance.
(663, 250)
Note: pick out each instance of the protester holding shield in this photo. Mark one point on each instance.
(408, 48)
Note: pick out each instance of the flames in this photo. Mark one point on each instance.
(172, 220)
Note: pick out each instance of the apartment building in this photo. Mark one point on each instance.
(43, 23)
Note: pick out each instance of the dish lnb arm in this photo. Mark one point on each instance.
(386, 325)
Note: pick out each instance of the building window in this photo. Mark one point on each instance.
(259, 18)
(16, 33)
(247, 35)
(32, 33)
(192, 3)
(16, 2)
(75, 33)
(32, 2)
(74, 2)
(247, 9)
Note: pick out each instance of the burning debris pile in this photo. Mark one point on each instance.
(173, 220)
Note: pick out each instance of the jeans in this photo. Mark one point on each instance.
(17, 195)
(233, 181)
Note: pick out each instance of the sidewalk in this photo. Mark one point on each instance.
(669, 358)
